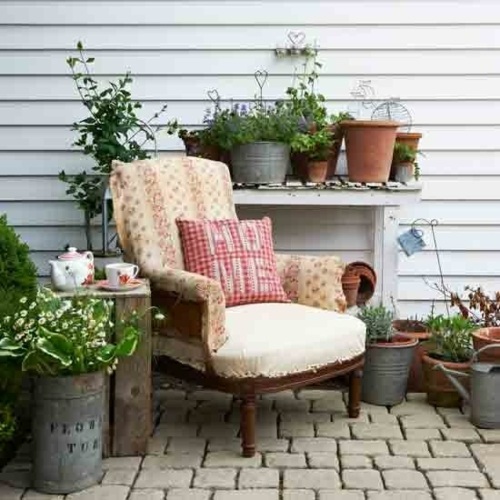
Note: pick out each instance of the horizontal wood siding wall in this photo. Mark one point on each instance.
(441, 58)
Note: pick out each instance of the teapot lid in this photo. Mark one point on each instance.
(71, 254)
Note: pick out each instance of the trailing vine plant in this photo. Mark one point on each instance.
(111, 131)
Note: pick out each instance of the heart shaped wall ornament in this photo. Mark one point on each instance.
(261, 77)
(297, 38)
(213, 95)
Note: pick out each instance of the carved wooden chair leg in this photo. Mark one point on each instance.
(354, 393)
(247, 425)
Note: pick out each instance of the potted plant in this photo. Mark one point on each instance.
(369, 149)
(450, 344)
(404, 162)
(259, 140)
(416, 329)
(387, 359)
(410, 139)
(315, 146)
(112, 131)
(64, 343)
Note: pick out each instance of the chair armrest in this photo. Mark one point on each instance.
(206, 293)
(312, 280)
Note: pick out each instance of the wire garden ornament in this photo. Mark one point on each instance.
(392, 109)
(364, 97)
(296, 45)
(412, 241)
(261, 76)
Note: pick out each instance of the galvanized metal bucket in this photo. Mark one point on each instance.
(260, 163)
(385, 373)
(484, 397)
(67, 432)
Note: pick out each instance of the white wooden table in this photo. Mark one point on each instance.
(384, 200)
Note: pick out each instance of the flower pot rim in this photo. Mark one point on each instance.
(370, 123)
(399, 341)
(427, 358)
(76, 375)
(484, 333)
(408, 135)
(262, 142)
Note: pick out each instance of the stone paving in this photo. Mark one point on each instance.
(308, 449)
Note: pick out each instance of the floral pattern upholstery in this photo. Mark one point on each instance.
(148, 196)
(313, 281)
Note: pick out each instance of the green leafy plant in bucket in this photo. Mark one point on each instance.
(378, 322)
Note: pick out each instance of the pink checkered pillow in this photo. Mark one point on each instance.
(238, 254)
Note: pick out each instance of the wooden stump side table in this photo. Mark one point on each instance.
(128, 413)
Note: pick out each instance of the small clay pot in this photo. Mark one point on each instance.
(368, 281)
(440, 391)
(487, 336)
(316, 171)
(369, 149)
(350, 287)
(418, 331)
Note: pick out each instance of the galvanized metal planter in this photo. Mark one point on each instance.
(260, 163)
(67, 432)
(386, 370)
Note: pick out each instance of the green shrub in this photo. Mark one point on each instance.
(17, 271)
(7, 424)
(378, 322)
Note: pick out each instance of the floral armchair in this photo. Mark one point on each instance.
(245, 350)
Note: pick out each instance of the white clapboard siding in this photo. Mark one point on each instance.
(441, 58)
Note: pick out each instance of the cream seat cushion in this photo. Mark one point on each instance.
(275, 339)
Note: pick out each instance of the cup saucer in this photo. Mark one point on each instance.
(131, 285)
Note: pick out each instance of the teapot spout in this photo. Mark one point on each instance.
(451, 376)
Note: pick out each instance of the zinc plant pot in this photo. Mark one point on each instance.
(386, 369)
(415, 330)
(411, 139)
(440, 391)
(404, 172)
(369, 149)
(67, 432)
(486, 336)
(260, 163)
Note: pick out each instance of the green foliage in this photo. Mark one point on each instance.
(378, 321)
(451, 337)
(53, 336)
(404, 153)
(17, 271)
(8, 424)
(111, 131)
(317, 145)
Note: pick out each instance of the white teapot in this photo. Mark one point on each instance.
(72, 270)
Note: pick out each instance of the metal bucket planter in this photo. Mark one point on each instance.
(385, 374)
(67, 432)
(260, 163)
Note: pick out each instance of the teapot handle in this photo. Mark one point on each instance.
(485, 348)
(88, 255)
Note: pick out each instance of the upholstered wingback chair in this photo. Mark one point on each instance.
(247, 349)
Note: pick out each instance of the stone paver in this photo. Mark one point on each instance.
(490, 494)
(231, 459)
(35, 495)
(341, 495)
(172, 461)
(296, 429)
(410, 448)
(362, 479)
(299, 494)
(10, 493)
(215, 478)
(119, 476)
(461, 434)
(185, 494)
(121, 463)
(449, 449)
(289, 460)
(384, 462)
(247, 495)
(376, 431)
(311, 478)
(258, 478)
(186, 445)
(490, 435)
(101, 493)
(466, 479)
(354, 447)
(338, 430)
(148, 494)
(323, 460)
(403, 479)
(399, 495)
(446, 464)
(356, 462)
(432, 421)
(166, 478)
(313, 444)
(422, 434)
(454, 494)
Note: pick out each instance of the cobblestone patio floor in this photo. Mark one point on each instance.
(307, 450)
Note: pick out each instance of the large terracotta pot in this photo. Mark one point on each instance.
(482, 338)
(411, 139)
(369, 149)
(440, 391)
(418, 331)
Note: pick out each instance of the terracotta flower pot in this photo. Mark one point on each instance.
(411, 139)
(369, 149)
(350, 286)
(415, 330)
(338, 136)
(440, 391)
(368, 281)
(316, 171)
(487, 336)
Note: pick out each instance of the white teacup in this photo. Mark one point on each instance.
(120, 274)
